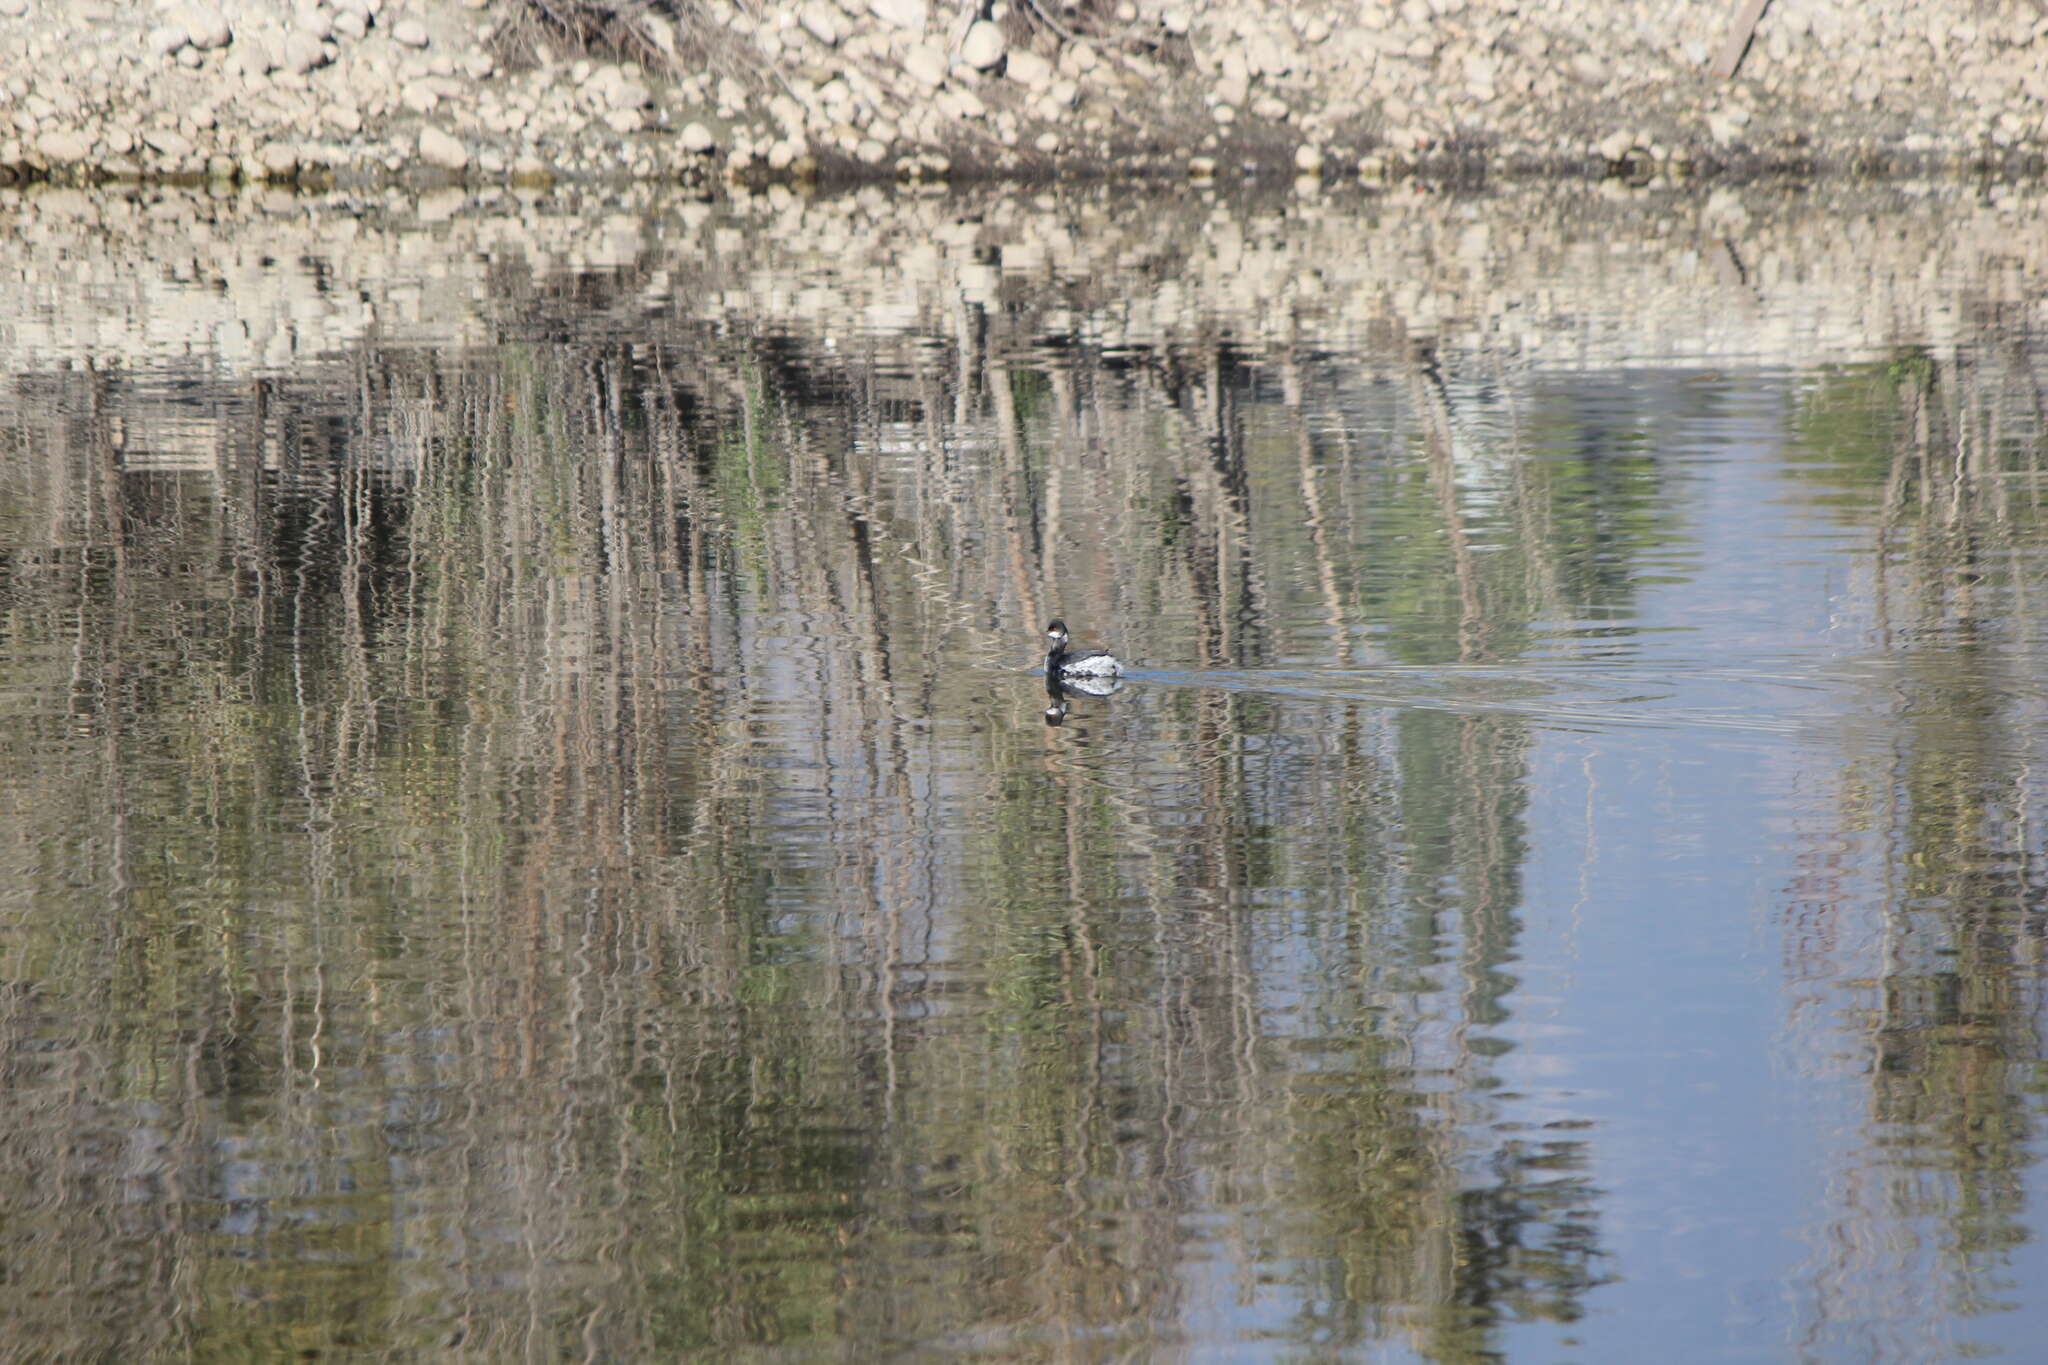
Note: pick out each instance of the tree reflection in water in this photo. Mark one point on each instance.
(543, 848)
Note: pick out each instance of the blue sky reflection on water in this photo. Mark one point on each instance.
(1694, 926)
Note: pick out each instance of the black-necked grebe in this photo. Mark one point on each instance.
(1061, 662)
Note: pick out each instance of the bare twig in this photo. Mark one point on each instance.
(1053, 24)
(1738, 38)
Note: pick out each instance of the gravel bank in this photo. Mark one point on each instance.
(363, 90)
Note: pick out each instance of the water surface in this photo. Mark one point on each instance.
(531, 827)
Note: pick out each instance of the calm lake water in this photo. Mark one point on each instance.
(532, 832)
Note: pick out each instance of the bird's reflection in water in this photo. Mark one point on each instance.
(1059, 689)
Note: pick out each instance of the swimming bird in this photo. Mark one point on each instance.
(1061, 662)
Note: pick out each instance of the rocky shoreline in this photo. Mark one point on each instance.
(366, 91)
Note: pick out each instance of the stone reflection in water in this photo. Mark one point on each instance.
(545, 845)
